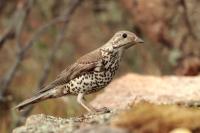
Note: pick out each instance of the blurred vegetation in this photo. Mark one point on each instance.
(170, 30)
(148, 118)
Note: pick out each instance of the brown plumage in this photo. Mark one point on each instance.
(88, 74)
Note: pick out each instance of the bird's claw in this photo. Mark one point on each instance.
(102, 110)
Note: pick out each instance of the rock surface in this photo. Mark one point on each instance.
(142, 118)
(133, 88)
(49, 124)
(120, 96)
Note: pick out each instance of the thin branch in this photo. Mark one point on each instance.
(22, 13)
(9, 34)
(17, 23)
(7, 79)
(45, 27)
(187, 20)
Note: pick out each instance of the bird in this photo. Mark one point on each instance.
(89, 74)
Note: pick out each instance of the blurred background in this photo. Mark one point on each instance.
(38, 39)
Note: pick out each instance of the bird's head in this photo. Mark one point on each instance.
(124, 39)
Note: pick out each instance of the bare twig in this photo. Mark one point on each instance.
(9, 34)
(23, 12)
(187, 20)
(17, 23)
(44, 28)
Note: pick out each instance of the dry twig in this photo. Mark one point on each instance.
(9, 34)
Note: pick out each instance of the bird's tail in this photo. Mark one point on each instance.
(33, 100)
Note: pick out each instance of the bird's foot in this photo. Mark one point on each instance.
(102, 110)
(99, 111)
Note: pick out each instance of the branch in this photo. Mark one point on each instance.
(45, 27)
(9, 34)
(17, 23)
(23, 12)
(187, 20)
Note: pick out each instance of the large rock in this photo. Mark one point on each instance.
(49, 124)
(133, 88)
(142, 118)
(125, 91)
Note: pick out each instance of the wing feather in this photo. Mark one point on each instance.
(85, 64)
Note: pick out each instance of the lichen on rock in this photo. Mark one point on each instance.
(44, 124)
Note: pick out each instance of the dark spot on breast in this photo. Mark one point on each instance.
(86, 83)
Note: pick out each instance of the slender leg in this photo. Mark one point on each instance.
(87, 106)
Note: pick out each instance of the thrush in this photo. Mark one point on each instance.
(90, 73)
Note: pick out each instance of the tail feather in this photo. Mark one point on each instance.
(32, 100)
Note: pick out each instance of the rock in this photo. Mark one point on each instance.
(133, 88)
(45, 124)
(41, 123)
(142, 118)
(101, 129)
(121, 96)
(180, 130)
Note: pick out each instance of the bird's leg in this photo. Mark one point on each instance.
(81, 100)
(88, 107)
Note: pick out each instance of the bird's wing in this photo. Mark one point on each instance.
(85, 64)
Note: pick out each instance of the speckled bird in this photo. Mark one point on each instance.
(89, 74)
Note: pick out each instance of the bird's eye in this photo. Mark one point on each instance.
(124, 35)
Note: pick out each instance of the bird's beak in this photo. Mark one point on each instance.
(139, 40)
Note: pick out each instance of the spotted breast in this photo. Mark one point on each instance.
(97, 79)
